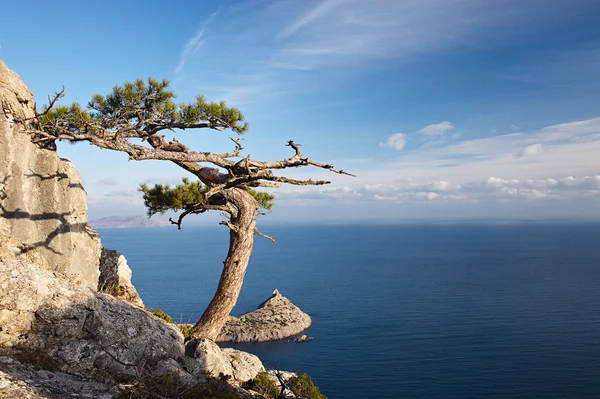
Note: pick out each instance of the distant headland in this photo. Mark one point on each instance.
(126, 222)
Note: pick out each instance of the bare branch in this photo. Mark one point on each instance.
(229, 224)
(259, 233)
(114, 132)
(235, 152)
(51, 101)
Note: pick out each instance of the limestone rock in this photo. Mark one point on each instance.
(245, 366)
(42, 201)
(276, 318)
(115, 276)
(25, 382)
(204, 357)
(301, 338)
(47, 320)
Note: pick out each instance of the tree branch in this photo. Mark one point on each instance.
(259, 233)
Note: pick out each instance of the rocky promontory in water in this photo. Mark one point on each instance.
(276, 318)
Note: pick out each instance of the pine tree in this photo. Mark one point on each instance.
(145, 109)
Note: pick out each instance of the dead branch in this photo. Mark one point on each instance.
(263, 235)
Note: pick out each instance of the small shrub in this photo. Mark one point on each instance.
(264, 385)
(186, 330)
(214, 388)
(162, 315)
(303, 386)
(109, 289)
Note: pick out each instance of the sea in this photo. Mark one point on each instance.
(446, 310)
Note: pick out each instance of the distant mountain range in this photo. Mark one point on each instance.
(125, 222)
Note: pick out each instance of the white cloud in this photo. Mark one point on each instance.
(490, 190)
(193, 44)
(396, 141)
(437, 129)
(130, 192)
(561, 168)
(530, 150)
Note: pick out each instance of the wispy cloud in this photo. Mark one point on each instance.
(332, 33)
(108, 182)
(193, 44)
(278, 42)
(319, 11)
(131, 192)
(437, 129)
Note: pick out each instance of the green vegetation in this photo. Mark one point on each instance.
(110, 289)
(144, 101)
(264, 385)
(162, 197)
(186, 330)
(162, 315)
(170, 386)
(303, 386)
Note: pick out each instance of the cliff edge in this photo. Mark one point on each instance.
(42, 201)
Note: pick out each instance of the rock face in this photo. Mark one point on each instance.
(53, 322)
(42, 201)
(276, 318)
(59, 325)
(25, 382)
(115, 277)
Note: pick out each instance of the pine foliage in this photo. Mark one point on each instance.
(162, 197)
(143, 105)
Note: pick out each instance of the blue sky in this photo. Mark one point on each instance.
(445, 109)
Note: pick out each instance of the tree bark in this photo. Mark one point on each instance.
(241, 241)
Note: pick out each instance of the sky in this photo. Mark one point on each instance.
(444, 109)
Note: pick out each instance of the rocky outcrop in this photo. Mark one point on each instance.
(276, 318)
(59, 325)
(42, 201)
(115, 277)
(20, 381)
(51, 321)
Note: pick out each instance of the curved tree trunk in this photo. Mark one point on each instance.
(241, 242)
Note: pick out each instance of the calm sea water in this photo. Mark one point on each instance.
(428, 311)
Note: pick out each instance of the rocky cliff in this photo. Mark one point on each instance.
(80, 342)
(42, 201)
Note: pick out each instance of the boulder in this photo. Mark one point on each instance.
(42, 201)
(276, 318)
(245, 366)
(115, 277)
(204, 357)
